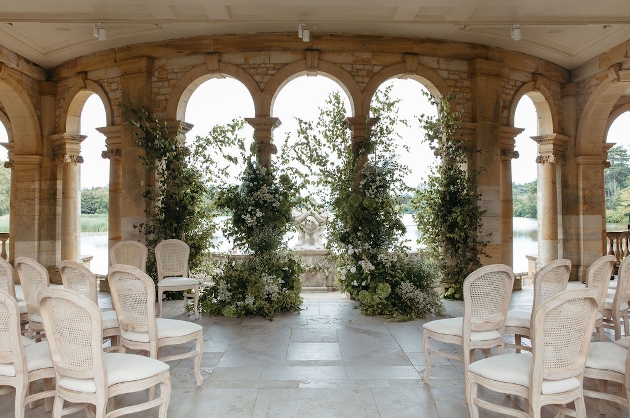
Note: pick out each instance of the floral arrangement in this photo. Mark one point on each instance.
(265, 279)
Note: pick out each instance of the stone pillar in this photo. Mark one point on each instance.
(507, 213)
(67, 148)
(571, 241)
(263, 135)
(360, 128)
(487, 88)
(551, 157)
(113, 143)
(136, 93)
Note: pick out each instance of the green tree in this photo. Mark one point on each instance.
(448, 212)
(525, 200)
(5, 189)
(94, 200)
(616, 176)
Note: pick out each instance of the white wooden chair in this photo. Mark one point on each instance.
(598, 278)
(171, 257)
(133, 296)
(33, 278)
(609, 362)
(615, 310)
(549, 280)
(8, 285)
(130, 253)
(75, 276)
(19, 365)
(87, 375)
(487, 294)
(552, 374)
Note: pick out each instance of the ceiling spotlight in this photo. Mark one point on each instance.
(99, 32)
(516, 32)
(303, 34)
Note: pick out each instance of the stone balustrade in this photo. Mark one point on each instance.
(617, 245)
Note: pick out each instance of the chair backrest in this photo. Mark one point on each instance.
(598, 277)
(130, 253)
(6, 277)
(73, 329)
(171, 257)
(75, 276)
(133, 297)
(33, 278)
(622, 294)
(487, 293)
(11, 350)
(551, 279)
(562, 330)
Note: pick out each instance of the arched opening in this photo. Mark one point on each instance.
(218, 101)
(525, 185)
(617, 176)
(94, 182)
(5, 178)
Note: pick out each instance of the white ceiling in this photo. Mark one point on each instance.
(566, 32)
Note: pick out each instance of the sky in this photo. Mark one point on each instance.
(218, 101)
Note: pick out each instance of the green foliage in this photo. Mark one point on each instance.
(363, 182)
(524, 203)
(94, 200)
(175, 205)
(5, 189)
(262, 283)
(94, 223)
(267, 279)
(448, 214)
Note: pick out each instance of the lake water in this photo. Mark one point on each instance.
(525, 242)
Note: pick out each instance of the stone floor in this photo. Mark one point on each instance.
(327, 361)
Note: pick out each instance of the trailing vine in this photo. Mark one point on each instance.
(447, 206)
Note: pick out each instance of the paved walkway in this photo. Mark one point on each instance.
(327, 361)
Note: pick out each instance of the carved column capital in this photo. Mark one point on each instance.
(67, 148)
(112, 154)
(550, 148)
(550, 159)
(68, 159)
(263, 135)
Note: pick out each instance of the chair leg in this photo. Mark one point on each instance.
(57, 407)
(199, 348)
(159, 301)
(603, 388)
(48, 385)
(471, 395)
(426, 341)
(165, 393)
(196, 302)
(20, 400)
(580, 408)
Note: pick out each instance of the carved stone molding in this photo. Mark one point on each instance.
(312, 62)
(68, 159)
(509, 154)
(112, 154)
(550, 159)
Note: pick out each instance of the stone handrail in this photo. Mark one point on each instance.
(617, 245)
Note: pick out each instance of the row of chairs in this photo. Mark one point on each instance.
(73, 327)
(560, 327)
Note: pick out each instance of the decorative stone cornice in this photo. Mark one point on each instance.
(24, 162)
(259, 123)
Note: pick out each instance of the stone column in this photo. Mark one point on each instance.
(67, 149)
(508, 134)
(113, 143)
(486, 95)
(360, 128)
(263, 135)
(551, 157)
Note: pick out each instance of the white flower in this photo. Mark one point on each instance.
(353, 269)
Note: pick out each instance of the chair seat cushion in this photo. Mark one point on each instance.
(167, 328)
(35, 318)
(177, 281)
(624, 342)
(37, 357)
(515, 368)
(110, 320)
(454, 326)
(607, 356)
(518, 318)
(22, 307)
(119, 368)
(27, 341)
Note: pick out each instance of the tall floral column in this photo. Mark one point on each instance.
(67, 148)
(263, 134)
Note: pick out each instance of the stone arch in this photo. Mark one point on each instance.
(543, 102)
(6, 122)
(25, 130)
(75, 100)
(299, 68)
(423, 74)
(596, 116)
(185, 86)
(614, 115)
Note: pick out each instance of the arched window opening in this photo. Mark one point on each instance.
(94, 188)
(524, 185)
(617, 176)
(413, 151)
(218, 101)
(302, 98)
(5, 181)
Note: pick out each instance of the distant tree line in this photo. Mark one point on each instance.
(617, 185)
(94, 200)
(524, 199)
